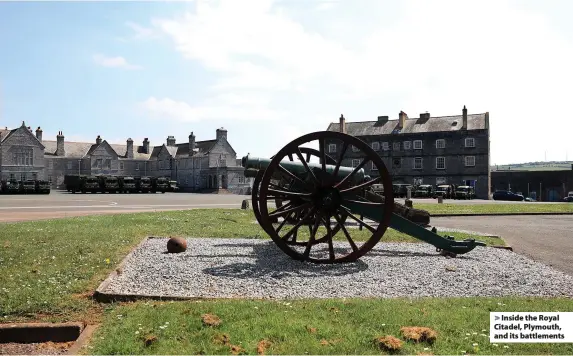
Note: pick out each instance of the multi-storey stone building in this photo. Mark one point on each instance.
(426, 150)
(196, 165)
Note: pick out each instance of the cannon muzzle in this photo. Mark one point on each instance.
(254, 164)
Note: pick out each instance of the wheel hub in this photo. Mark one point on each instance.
(327, 199)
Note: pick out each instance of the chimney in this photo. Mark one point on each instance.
(342, 122)
(129, 148)
(464, 118)
(170, 141)
(382, 119)
(98, 139)
(146, 145)
(402, 119)
(425, 116)
(191, 144)
(221, 134)
(60, 151)
(39, 134)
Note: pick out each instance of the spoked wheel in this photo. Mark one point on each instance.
(283, 182)
(322, 192)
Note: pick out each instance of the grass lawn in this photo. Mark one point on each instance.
(48, 266)
(314, 327)
(512, 208)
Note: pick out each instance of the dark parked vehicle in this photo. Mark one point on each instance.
(443, 190)
(569, 198)
(27, 186)
(173, 187)
(401, 190)
(109, 184)
(159, 184)
(10, 186)
(464, 192)
(127, 185)
(42, 187)
(81, 183)
(507, 195)
(424, 191)
(143, 184)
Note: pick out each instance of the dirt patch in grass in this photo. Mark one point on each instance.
(210, 320)
(389, 343)
(419, 334)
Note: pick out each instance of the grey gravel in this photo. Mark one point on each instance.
(254, 268)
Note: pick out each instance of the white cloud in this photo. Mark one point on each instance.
(228, 106)
(436, 56)
(140, 32)
(114, 62)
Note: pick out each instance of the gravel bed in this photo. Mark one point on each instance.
(252, 268)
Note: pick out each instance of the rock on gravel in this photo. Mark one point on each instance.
(252, 268)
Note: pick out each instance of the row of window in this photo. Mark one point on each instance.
(469, 161)
(407, 145)
(24, 176)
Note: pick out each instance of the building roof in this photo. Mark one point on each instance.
(414, 125)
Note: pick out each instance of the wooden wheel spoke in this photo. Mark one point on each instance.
(278, 229)
(343, 151)
(363, 185)
(331, 254)
(372, 229)
(286, 211)
(350, 241)
(356, 169)
(312, 237)
(305, 164)
(369, 204)
(307, 157)
(290, 157)
(288, 193)
(299, 223)
(283, 207)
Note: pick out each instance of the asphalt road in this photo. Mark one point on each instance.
(64, 204)
(547, 239)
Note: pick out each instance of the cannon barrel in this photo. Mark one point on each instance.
(254, 164)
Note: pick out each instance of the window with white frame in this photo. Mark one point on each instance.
(396, 146)
(12, 176)
(137, 166)
(470, 142)
(376, 146)
(22, 176)
(332, 148)
(121, 165)
(440, 180)
(355, 163)
(417, 144)
(440, 162)
(374, 168)
(69, 165)
(354, 148)
(407, 145)
(441, 143)
(418, 162)
(470, 161)
(385, 146)
(108, 163)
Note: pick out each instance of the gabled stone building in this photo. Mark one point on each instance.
(195, 165)
(426, 150)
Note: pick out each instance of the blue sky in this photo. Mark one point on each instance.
(270, 71)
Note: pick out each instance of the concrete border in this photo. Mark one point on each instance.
(24, 333)
(99, 294)
(83, 340)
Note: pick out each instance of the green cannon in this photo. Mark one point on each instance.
(304, 198)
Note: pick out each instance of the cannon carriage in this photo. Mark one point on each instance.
(303, 188)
